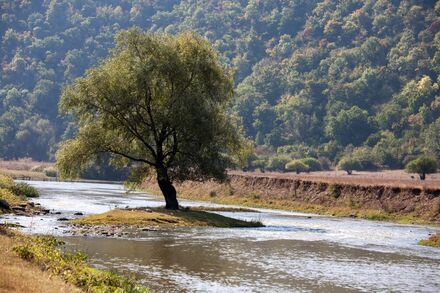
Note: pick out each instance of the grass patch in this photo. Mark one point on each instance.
(6, 182)
(433, 241)
(24, 189)
(160, 217)
(11, 198)
(18, 275)
(70, 267)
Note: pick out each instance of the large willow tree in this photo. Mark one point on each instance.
(158, 103)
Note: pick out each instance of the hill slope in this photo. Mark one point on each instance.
(313, 77)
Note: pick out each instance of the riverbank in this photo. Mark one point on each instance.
(36, 264)
(15, 270)
(411, 204)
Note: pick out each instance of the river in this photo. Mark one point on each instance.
(295, 252)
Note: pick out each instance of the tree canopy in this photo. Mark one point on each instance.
(422, 165)
(159, 102)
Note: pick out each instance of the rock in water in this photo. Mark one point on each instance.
(4, 205)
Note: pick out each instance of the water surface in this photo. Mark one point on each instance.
(295, 252)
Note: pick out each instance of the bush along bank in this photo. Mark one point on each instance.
(44, 252)
(433, 240)
(405, 205)
(14, 197)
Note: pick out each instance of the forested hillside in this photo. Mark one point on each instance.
(314, 78)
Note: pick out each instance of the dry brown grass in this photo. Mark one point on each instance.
(19, 174)
(18, 275)
(23, 164)
(390, 178)
(25, 168)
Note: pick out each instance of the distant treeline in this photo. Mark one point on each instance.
(314, 78)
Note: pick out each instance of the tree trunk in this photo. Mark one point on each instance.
(423, 176)
(167, 188)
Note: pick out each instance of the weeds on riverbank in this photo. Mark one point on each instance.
(71, 267)
(434, 241)
(13, 194)
(19, 276)
(11, 198)
(19, 189)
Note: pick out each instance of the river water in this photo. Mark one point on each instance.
(295, 252)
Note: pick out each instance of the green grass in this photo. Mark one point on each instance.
(72, 267)
(160, 217)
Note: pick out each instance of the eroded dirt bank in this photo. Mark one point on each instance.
(408, 204)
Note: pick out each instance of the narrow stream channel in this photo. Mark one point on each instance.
(295, 252)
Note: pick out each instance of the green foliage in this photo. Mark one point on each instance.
(297, 166)
(6, 182)
(72, 267)
(323, 74)
(312, 164)
(15, 193)
(334, 190)
(422, 165)
(11, 197)
(349, 164)
(278, 163)
(25, 190)
(366, 159)
(349, 126)
(50, 172)
(259, 164)
(159, 102)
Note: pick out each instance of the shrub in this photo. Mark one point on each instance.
(24, 189)
(422, 165)
(348, 165)
(38, 168)
(6, 182)
(259, 164)
(325, 163)
(366, 159)
(51, 172)
(10, 197)
(334, 190)
(312, 164)
(296, 165)
(278, 163)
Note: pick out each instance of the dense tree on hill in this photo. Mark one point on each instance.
(321, 74)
